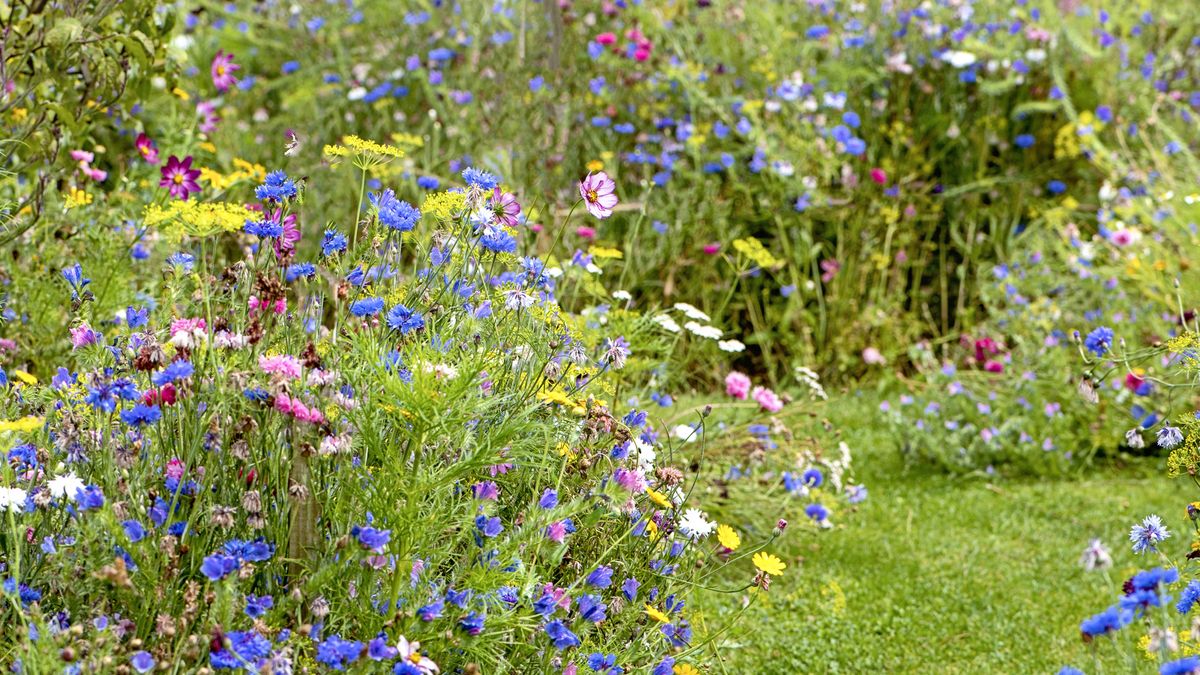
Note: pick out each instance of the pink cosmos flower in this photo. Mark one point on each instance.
(146, 148)
(599, 194)
(223, 69)
(767, 399)
(285, 244)
(179, 177)
(207, 111)
(505, 206)
(737, 385)
(283, 364)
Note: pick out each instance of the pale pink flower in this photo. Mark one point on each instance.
(737, 385)
(767, 399)
(285, 365)
(599, 194)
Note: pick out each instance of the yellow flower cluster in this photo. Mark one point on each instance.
(408, 140)
(243, 171)
(602, 252)
(77, 197)
(24, 425)
(198, 219)
(360, 148)
(753, 249)
(443, 205)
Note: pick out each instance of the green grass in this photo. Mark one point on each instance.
(952, 575)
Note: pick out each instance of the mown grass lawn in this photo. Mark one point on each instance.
(941, 574)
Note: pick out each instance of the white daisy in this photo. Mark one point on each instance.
(695, 524)
(65, 487)
(12, 499)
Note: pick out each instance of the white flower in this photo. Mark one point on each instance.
(692, 312)
(65, 487)
(553, 272)
(12, 499)
(666, 322)
(1133, 438)
(622, 295)
(1095, 556)
(410, 652)
(695, 524)
(594, 268)
(685, 432)
(645, 454)
(710, 332)
(733, 346)
(958, 59)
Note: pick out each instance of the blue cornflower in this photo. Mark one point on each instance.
(1169, 437)
(134, 530)
(89, 497)
(1148, 533)
(276, 188)
(1189, 597)
(184, 261)
(1188, 665)
(1056, 187)
(333, 242)
(264, 229)
(480, 179)
(403, 319)
(176, 370)
(813, 478)
(337, 653)
(1099, 340)
(245, 647)
(366, 307)
(816, 512)
(499, 241)
(218, 566)
(140, 415)
(256, 605)
(142, 661)
(395, 214)
(562, 636)
(299, 271)
(604, 663)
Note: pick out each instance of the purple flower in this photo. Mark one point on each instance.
(223, 69)
(601, 577)
(599, 194)
(179, 177)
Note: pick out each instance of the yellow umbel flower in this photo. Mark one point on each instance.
(23, 425)
(77, 197)
(728, 537)
(443, 205)
(765, 562)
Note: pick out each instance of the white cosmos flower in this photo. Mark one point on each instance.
(732, 346)
(959, 59)
(65, 487)
(691, 312)
(12, 499)
(685, 433)
(710, 332)
(695, 524)
(666, 322)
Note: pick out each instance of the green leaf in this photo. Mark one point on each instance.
(64, 32)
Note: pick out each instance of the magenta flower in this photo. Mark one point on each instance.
(829, 269)
(766, 399)
(599, 194)
(505, 206)
(737, 385)
(179, 177)
(146, 148)
(223, 69)
(285, 244)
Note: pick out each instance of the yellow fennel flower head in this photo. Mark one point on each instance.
(753, 249)
(198, 219)
(602, 252)
(77, 197)
(657, 614)
(765, 562)
(364, 152)
(658, 498)
(728, 537)
(408, 140)
(23, 425)
(444, 205)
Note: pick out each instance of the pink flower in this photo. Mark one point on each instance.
(712, 249)
(737, 385)
(207, 111)
(82, 156)
(641, 54)
(606, 38)
(505, 206)
(829, 269)
(179, 177)
(82, 336)
(146, 148)
(285, 245)
(223, 69)
(994, 367)
(767, 399)
(556, 532)
(175, 468)
(599, 194)
(284, 364)
(879, 176)
(873, 356)
(585, 232)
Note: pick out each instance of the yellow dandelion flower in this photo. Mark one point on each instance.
(595, 165)
(658, 498)
(183, 95)
(685, 669)
(728, 537)
(657, 615)
(555, 396)
(765, 562)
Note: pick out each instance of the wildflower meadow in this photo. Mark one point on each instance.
(599, 336)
